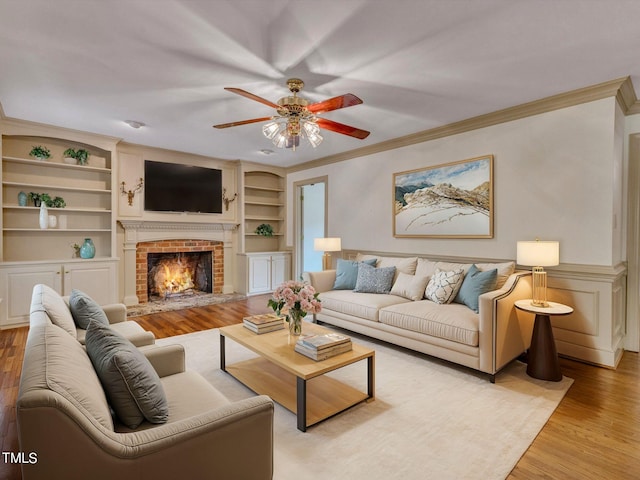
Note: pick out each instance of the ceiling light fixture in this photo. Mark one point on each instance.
(134, 123)
(296, 118)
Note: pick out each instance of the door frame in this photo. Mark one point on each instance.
(297, 217)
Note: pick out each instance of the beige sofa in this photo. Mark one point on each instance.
(485, 341)
(65, 422)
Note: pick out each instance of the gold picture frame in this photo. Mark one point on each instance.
(452, 200)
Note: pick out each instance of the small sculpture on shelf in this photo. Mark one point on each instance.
(131, 193)
(76, 250)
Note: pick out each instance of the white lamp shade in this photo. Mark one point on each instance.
(538, 254)
(332, 244)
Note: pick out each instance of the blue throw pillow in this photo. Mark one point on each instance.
(347, 273)
(374, 280)
(476, 283)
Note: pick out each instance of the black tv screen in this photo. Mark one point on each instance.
(173, 187)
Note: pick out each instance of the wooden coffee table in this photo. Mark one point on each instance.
(294, 381)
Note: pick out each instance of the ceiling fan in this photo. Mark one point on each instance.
(296, 118)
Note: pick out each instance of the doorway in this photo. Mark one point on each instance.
(311, 207)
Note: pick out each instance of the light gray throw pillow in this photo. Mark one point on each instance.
(374, 280)
(84, 309)
(131, 384)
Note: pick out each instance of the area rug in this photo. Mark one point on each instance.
(430, 419)
(179, 303)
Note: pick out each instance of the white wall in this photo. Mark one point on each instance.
(555, 177)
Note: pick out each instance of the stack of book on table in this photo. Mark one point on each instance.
(267, 322)
(321, 347)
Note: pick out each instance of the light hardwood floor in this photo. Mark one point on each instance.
(593, 434)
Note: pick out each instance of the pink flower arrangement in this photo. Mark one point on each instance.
(299, 298)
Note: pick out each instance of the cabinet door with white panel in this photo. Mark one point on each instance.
(263, 272)
(96, 278)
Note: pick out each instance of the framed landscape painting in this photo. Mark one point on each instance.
(454, 200)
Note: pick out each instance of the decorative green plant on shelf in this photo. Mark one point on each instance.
(40, 152)
(80, 155)
(265, 230)
(38, 198)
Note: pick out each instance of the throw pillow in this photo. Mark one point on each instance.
(476, 283)
(131, 384)
(84, 309)
(347, 273)
(444, 285)
(56, 309)
(409, 286)
(374, 280)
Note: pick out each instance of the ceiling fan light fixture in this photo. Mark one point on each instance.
(270, 130)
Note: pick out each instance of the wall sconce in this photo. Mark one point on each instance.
(227, 201)
(130, 193)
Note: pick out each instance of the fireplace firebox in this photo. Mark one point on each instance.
(178, 274)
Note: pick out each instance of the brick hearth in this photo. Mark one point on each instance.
(175, 246)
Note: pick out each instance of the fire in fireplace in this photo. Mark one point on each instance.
(178, 274)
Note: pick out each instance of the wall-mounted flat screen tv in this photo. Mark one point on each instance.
(173, 187)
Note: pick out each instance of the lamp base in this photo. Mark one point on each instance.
(539, 288)
(326, 261)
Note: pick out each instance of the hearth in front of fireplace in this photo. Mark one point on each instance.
(178, 274)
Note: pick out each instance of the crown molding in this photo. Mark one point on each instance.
(621, 88)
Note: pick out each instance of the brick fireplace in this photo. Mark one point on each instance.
(143, 249)
(142, 237)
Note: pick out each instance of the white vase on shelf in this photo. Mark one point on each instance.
(44, 216)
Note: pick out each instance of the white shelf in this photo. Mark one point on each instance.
(56, 187)
(253, 234)
(264, 189)
(49, 230)
(264, 204)
(45, 163)
(262, 217)
(60, 210)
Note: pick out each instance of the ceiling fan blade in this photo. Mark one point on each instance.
(343, 101)
(242, 122)
(342, 128)
(244, 93)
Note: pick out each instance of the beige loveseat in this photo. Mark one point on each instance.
(66, 425)
(485, 341)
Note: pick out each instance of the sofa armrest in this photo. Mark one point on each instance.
(504, 334)
(322, 281)
(165, 359)
(115, 312)
(217, 443)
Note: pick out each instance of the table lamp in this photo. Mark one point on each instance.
(326, 245)
(538, 254)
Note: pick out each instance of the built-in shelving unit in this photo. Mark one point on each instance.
(264, 262)
(29, 254)
(263, 203)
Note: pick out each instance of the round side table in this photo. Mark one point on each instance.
(543, 362)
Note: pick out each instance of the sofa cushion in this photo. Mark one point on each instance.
(505, 269)
(476, 283)
(46, 298)
(362, 305)
(130, 382)
(444, 285)
(347, 273)
(453, 322)
(410, 286)
(425, 268)
(374, 280)
(84, 309)
(53, 359)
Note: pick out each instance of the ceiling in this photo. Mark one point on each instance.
(416, 64)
